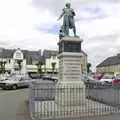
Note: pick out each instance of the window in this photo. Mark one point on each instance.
(72, 46)
(54, 57)
(9, 60)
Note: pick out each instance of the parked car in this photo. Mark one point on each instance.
(54, 79)
(35, 76)
(90, 78)
(4, 76)
(16, 81)
(116, 81)
(98, 76)
(107, 79)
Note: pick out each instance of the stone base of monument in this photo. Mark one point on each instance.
(70, 90)
(70, 93)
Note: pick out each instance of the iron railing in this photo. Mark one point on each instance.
(99, 101)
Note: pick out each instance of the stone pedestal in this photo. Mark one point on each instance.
(70, 87)
(70, 93)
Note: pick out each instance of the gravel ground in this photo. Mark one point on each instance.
(13, 105)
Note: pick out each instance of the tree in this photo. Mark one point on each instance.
(4, 63)
(39, 66)
(88, 67)
(53, 66)
(30, 61)
(1, 66)
(19, 64)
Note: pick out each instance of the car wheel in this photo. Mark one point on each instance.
(14, 87)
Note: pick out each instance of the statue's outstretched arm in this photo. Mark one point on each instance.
(61, 16)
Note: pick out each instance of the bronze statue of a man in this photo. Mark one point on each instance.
(68, 20)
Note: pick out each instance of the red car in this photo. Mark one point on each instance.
(98, 76)
(116, 80)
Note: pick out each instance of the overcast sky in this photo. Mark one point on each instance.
(33, 25)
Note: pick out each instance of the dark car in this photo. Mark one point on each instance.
(54, 79)
(35, 76)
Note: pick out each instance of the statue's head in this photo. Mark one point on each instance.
(68, 5)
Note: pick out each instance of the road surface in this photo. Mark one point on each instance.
(13, 105)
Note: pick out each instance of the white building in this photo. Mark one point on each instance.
(17, 63)
(25, 61)
(19, 60)
(51, 65)
(51, 60)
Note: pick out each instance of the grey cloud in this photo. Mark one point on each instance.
(4, 43)
(97, 54)
(110, 36)
(56, 5)
(106, 38)
(53, 5)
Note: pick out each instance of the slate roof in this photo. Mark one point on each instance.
(6, 53)
(49, 53)
(33, 55)
(30, 55)
(114, 60)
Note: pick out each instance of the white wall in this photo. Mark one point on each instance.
(31, 68)
(49, 61)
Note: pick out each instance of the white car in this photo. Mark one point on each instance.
(90, 78)
(16, 81)
(107, 79)
(3, 76)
